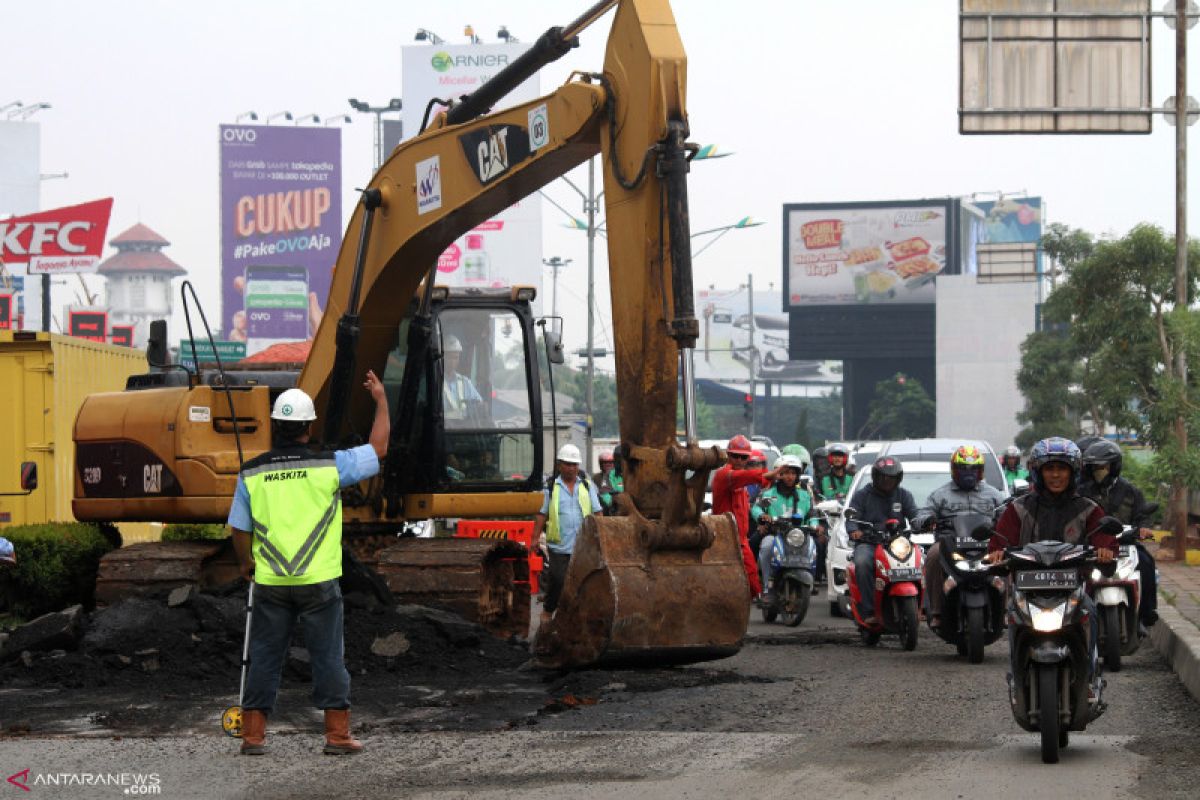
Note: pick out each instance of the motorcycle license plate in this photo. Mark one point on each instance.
(1047, 579)
(1124, 551)
(904, 574)
(969, 543)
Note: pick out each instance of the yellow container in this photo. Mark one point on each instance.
(44, 378)
(1192, 558)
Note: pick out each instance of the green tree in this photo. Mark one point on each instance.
(901, 409)
(1120, 332)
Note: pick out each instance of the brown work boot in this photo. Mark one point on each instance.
(254, 733)
(338, 741)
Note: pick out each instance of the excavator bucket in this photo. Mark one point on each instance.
(629, 599)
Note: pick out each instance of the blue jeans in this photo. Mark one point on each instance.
(318, 606)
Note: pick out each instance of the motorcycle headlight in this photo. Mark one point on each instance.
(1048, 619)
(795, 538)
(1096, 576)
(900, 547)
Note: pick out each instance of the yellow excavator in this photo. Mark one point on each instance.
(655, 583)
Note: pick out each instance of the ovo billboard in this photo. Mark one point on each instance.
(281, 228)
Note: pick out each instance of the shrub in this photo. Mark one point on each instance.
(56, 567)
(190, 532)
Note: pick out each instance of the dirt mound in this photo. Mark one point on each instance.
(199, 642)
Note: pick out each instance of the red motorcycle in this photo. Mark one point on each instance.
(899, 584)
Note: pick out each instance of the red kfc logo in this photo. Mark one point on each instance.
(67, 239)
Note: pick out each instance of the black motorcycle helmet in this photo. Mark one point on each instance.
(886, 467)
(1084, 442)
(1102, 452)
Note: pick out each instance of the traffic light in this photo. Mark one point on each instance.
(748, 407)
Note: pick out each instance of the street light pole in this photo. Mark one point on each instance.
(753, 350)
(555, 263)
(395, 104)
(591, 301)
(1179, 492)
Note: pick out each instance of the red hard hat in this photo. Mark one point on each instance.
(739, 446)
(757, 455)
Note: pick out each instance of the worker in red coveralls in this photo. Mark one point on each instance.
(729, 495)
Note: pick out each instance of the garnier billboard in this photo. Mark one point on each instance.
(507, 249)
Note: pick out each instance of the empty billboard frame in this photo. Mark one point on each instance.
(1054, 66)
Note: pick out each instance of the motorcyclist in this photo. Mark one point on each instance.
(1013, 471)
(884, 499)
(806, 483)
(1055, 511)
(967, 491)
(785, 499)
(820, 467)
(758, 460)
(608, 480)
(836, 484)
(1118, 497)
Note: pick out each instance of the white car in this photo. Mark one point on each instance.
(768, 352)
(920, 478)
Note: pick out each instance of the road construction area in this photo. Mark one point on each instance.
(447, 711)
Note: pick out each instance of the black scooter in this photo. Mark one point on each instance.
(1051, 642)
(974, 610)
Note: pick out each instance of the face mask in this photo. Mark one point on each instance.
(965, 480)
(1100, 473)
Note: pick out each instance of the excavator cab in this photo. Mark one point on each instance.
(477, 413)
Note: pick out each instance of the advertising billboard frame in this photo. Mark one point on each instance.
(819, 332)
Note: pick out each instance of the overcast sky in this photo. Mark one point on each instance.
(820, 100)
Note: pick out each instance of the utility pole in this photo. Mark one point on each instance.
(751, 358)
(555, 263)
(1179, 492)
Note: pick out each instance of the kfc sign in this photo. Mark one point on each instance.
(63, 240)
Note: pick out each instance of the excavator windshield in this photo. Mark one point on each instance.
(483, 388)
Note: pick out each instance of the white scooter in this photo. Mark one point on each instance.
(838, 555)
(1118, 599)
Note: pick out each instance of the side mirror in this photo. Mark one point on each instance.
(850, 513)
(156, 345)
(29, 476)
(1111, 525)
(1020, 487)
(981, 532)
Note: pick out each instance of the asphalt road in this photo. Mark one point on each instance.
(799, 712)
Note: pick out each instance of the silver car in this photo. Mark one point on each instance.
(921, 477)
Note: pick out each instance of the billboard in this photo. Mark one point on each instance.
(121, 335)
(59, 241)
(736, 342)
(507, 249)
(20, 167)
(1002, 239)
(857, 254)
(281, 228)
(87, 323)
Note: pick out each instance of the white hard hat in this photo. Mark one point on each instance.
(789, 461)
(451, 344)
(294, 405)
(569, 454)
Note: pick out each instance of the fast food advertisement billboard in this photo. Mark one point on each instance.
(281, 228)
(507, 249)
(864, 254)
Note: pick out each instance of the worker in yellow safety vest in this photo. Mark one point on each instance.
(566, 501)
(287, 532)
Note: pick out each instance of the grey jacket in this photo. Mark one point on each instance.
(948, 500)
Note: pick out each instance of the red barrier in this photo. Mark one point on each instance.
(514, 530)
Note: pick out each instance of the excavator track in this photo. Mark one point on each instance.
(484, 580)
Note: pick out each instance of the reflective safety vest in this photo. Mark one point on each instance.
(296, 506)
(583, 493)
